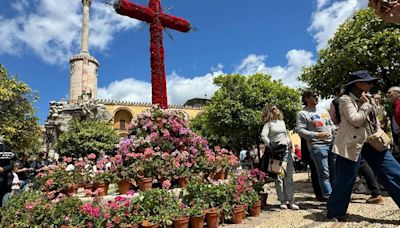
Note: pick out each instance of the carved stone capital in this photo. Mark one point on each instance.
(86, 2)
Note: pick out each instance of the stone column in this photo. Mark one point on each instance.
(85, 26)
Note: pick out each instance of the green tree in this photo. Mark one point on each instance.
(18, 124)
(233, 116)
(362, 42)
(87, 136)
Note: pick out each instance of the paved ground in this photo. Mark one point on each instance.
(312, 213)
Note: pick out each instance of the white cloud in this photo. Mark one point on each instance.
(179, 89)
(52, 29)
(297, 59)
(128, 89)
(327, 18)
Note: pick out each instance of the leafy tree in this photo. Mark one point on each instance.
(18, 124)
(87, 136)
(233, 116)
(362, 42)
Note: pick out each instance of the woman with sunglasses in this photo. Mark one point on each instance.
(274, 133)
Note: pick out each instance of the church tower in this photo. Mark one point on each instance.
(83, 66)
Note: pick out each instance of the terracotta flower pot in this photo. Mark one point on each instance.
(255, 210)
(212, 218)
(147, 224)
(181, 222)
(145, 184)
(103, 186)
(237, 215)
(183, 182)
(197, 221)
(124, 186)
(72, 190)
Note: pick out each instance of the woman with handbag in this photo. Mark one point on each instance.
(359, 134)
(275, 137)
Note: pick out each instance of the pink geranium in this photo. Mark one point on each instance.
(91, 156)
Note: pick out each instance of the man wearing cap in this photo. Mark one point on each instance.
(393, 95)
(358, 121)
(316, 127)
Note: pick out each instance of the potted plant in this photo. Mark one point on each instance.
(157, 206)
(197, 213)
(254, 203)
(101, 180)
(181, 216)
(124, 178)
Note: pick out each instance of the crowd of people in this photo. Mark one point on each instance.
(338, 145)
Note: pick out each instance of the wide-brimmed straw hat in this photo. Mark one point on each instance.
(360, 76)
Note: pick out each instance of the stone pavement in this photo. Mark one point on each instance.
(312, 213)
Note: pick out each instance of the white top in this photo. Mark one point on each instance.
(275, 131)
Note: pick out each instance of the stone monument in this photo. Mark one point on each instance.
(82, 102)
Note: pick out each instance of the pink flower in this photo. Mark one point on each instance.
(49, 183)
(107, 215)
(30, 206)
(166, 133)
(165, 156)
(166, 184)
(120, 198)
(91, 156)
(130, 192)
(67, 159)
(66, 218)
(154, 135)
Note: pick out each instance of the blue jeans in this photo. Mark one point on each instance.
(332, 168)
(320, 157)
(384, 166)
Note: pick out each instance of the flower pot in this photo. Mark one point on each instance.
(255, 210)
(245, 208)
(181, 222)
(145, 184)
(197, 221)
(88, 186)
(263, 199)
(124, 186)
(183, 182)
(72, 190)
(212, 218)
(237, 215)
(103, 186)
(147, 224)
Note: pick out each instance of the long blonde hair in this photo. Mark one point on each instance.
(267, 115)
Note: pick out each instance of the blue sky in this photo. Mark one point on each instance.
(37, 38)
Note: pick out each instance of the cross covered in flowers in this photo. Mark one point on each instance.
(158, 21)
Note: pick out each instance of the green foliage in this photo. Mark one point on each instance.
(363, 42)
(88, 136)
(17, 121)
(233, 117)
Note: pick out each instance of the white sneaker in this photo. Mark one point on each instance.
(283, 206)
(293, 206)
